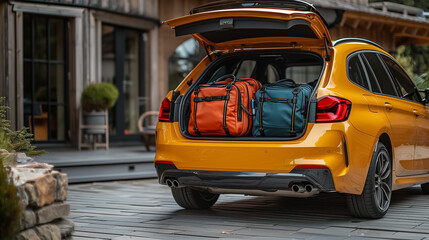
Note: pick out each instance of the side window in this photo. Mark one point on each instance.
(373, 82)
(380, 73)
(406, 87)
(356, 73)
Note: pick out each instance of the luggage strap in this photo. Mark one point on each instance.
(195, 113)
(261, 104)
(277, 100)
(225, 108)
(246, 111)
(209, 99)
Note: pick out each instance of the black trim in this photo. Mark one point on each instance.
(212, 25)
(161, 168)
(320, 178)
(246, 27)
(346, 155)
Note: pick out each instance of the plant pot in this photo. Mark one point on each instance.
(94, 119)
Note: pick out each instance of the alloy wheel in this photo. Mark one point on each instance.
(383, 190)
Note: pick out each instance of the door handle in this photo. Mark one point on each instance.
(388, 106)
(416, 112)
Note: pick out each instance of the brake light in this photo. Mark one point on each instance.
(164, 112)
(332, 109)
(164, 162)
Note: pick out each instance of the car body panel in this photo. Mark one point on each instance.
(421, 154)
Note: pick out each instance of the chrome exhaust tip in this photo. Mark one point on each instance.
(169, 183)
(298, 188)
(175, 183)
(309, 188)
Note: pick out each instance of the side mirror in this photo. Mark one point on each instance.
(426, 100)
(426, 95)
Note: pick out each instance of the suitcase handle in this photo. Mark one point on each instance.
(225, 77)
(287, 80)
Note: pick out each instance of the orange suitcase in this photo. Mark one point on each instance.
(223, 107)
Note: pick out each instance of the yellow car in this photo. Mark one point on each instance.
(367, 126)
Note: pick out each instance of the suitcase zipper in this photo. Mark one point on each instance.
(292, 127)
(239, 104)
(261, 103)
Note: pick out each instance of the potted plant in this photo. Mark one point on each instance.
(96, 99)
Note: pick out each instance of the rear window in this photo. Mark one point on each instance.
(380, 73)
(303, 68)
(304, 74)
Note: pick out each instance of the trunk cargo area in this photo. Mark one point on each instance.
(269, 70)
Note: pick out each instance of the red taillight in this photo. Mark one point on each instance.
(164, 112)
(164, 162)
(311, 166)
(333, 109)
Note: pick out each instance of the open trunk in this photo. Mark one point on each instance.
(267, 67)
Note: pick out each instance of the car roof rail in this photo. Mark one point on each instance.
(344, 40)
(297, 5)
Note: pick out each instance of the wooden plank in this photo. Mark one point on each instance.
(126, 21)
(19, 36)
(11, 67)
(144, 208)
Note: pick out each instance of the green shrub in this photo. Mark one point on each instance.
(10, 208)
(15, 141)
(99, 97)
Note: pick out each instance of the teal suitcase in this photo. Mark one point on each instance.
(281, 109)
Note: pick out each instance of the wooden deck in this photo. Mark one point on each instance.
(143, 209)
(119, 163)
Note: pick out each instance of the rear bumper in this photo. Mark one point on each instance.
(320, 178)
(345, 151)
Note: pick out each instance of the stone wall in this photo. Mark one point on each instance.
(43, 194)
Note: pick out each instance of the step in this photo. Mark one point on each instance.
(120, 163)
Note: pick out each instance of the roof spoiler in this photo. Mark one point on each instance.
(296, 5)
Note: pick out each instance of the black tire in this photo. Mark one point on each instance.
(377, 193)
(425, 188)
(194, 199)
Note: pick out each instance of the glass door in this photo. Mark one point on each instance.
(45, 81)
(122, 65)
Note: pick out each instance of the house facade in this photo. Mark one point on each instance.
(51, 49)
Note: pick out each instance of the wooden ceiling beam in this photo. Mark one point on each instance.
(366, 17)
(355, 23)
(368, 25)
(414, 31)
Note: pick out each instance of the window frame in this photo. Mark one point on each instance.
(394, 84)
